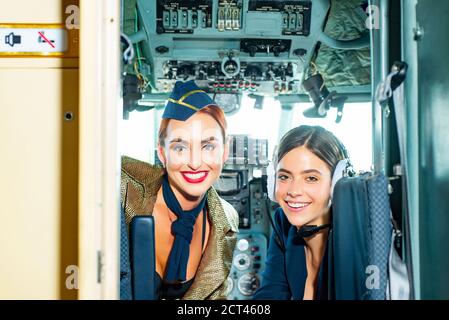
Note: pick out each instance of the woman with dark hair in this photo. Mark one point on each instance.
(305, 162)
(195, 230)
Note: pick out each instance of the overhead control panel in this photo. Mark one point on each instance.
(229, 46)
(295, 14)
(229, 15)
(232, 76)
(183, 16)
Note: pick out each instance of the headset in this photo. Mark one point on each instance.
(344, 168)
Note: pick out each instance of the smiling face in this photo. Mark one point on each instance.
(193, 153)
(303, 184)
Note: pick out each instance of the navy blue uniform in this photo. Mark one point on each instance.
(285, 273)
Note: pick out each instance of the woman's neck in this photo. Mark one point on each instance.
(315, 248)
(186, 201)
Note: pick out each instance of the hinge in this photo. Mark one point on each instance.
(99, 266)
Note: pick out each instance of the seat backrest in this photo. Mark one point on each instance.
(125, 268)
(361, 238)
(143, 258)
(137, 259)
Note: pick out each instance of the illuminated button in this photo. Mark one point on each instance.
(243, 245)
(221, 19)
(255, 249)
(236, 19)
(228, 19)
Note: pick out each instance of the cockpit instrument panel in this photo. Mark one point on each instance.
(240, 187)
(230, 46)
(295, 14)
(183, 16)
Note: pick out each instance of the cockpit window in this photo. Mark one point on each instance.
(267, 121)
(260, 123)
(354, 130)
(137, 136)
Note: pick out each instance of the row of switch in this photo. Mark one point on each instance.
(256, 257)
(283, 87)
(186, 19)
(234, 86)
(228, 18)
(292, 21)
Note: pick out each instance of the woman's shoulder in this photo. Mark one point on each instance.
(231, 214)
(139, 183)
(140, 171)
(218, 204)
(281, 221)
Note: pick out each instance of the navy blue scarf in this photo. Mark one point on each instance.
(182, 230)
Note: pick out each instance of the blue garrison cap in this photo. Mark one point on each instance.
(186, 99)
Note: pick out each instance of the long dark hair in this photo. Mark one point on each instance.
(318, 140)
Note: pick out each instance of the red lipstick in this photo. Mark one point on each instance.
(194, 176)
